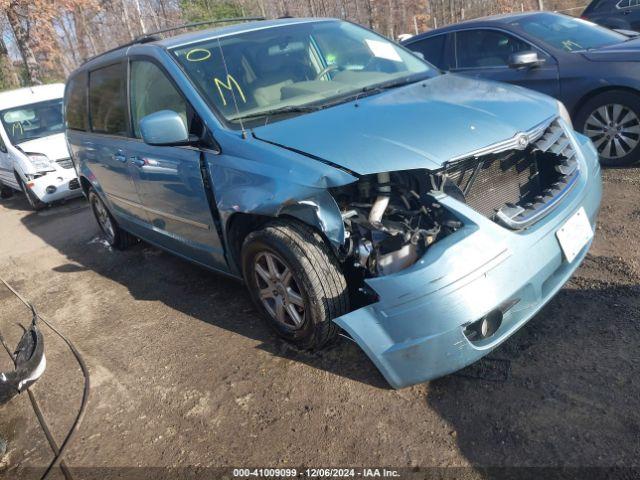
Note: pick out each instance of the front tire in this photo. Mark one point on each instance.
(5, 192)
(115, 236)
(612, 121)
(34, 202)
(296, 282)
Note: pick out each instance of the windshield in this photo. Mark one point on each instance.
(36, 120)
(294, 67)
(569, 34)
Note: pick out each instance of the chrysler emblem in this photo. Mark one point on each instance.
(522, 141)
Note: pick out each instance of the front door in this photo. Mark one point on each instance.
(170, 179)
(485, 53)
(106, 145)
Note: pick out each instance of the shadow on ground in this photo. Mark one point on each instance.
(568, 378)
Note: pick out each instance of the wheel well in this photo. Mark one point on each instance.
(238, 227)
(86, 185)
(599, 91)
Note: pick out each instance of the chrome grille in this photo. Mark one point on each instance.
(517, 187)
(556, 141)
(499, 180)
(65, 163)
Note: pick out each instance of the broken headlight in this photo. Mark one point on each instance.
(40, 162)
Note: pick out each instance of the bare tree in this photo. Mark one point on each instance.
(15, 15)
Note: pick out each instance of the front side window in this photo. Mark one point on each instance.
(486, 48)
(151, 92)
(433, 50)
(569, 34)
(306, 64)
(32, 121)
(107, 100)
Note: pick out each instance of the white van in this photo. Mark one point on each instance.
(34, 156)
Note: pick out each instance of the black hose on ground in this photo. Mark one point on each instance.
(85, 394)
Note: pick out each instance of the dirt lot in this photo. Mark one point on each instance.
(185, 374)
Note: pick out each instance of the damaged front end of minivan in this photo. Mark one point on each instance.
(448, 263)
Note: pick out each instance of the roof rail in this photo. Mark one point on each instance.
(143, 38)
(153, 36)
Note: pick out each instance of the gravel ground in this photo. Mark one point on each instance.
(184, 373)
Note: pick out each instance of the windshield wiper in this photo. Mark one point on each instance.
(389, 85)
(379, 88)
(279, 111)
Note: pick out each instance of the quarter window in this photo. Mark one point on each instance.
(107, 100)
(433, 50)
(152, 91)
(3, 147)
(628, 4)
(486, 48)
(76, 104)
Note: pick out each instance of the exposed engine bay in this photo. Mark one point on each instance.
(391, 220)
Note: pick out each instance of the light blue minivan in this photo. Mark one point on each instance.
(351, 185)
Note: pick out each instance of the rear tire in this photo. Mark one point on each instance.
(34, 202)
(304, 291)
(612, 121)
(115, 236)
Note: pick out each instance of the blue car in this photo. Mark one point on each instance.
(350, 185)
(622, 14)
(593, 71)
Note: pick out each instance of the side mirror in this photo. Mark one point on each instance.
(528, 59)
(164, 128)
(418, 54)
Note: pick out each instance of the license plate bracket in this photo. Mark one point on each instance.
(574, 235)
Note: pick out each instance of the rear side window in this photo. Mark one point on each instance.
(108, 100)
(604, 5)
(433, 50)
(76, 104)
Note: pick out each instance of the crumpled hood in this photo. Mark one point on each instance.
(422, 125)
(53, 146)
(620, 52)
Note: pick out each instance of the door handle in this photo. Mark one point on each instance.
(138, 162)
(627, 12)
(120, 156)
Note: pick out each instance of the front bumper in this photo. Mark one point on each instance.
(415, 332)
(64, 180)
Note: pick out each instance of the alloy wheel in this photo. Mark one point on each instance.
(614, 130)
(104, 220)
(278, 290)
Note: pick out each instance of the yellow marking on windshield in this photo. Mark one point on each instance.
(571, 45)
(198, 55)
(230, 83)
(19, 127)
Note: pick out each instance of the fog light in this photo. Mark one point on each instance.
(51, 189)
(485, 327)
